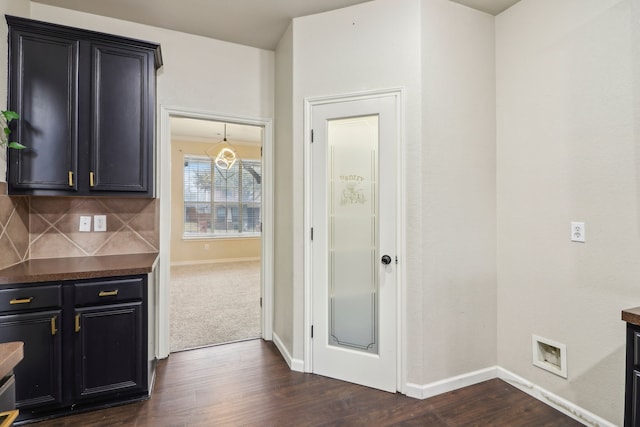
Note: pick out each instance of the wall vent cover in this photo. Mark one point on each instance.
(549, 355)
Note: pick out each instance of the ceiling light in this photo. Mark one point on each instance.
(226, 157)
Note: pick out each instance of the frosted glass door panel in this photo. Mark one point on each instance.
(353, 233)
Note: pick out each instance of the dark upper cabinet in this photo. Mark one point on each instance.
(121, 118)
(87, 111)
(43, 90)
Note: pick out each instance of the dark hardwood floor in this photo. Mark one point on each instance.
(248, 384)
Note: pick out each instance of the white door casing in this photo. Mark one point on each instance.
(359, 341)
(163, 174)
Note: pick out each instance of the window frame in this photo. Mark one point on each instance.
(239, 205)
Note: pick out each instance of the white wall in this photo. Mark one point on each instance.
(568, 149)
(371, 46)
(458, 213)
(442, 54)
(283, 193)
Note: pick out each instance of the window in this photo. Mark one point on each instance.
(220, 202)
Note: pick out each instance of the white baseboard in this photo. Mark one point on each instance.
(213, 261)
(566, 407)
(294, 364)
(449, 384)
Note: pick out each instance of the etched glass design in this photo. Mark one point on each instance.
(353, 233)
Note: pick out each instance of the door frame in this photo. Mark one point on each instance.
(399, 95)
(163, 176)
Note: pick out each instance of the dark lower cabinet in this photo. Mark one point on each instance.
(40, 372)
(110, 350)
(632, 380)
(635, 400)
(85, 344)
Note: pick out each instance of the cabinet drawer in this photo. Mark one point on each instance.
(108, 291)
(30, 297)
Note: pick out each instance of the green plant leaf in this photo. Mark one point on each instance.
(5, 117)
(16, 145)
(10, 115)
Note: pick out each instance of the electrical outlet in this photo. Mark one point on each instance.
(99, 223)
(85, 223)
(578, 232)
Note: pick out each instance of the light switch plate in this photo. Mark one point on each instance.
(99, 223)
(85, 223)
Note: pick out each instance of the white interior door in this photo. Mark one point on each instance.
(353, 251)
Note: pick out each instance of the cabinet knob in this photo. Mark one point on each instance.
(70, 178)
(77, 323)
(91, 179)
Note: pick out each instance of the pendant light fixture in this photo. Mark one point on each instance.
(226, 157)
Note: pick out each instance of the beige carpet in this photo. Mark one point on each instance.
(214, 304)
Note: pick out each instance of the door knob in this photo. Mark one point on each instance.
(386, 259)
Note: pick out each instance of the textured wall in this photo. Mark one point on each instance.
(370, 46)
(568, 149)
(458, 190)
(283, 298)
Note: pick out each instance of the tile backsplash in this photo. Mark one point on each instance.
(47, 227)
(14, 229)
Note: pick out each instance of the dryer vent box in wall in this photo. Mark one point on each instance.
(549, 355)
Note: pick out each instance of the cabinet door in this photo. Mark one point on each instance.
(122, 122)
(44, 91)
(39, 374)
(109, 356)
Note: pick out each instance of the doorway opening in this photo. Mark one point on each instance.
(216, 228)
(215, 266)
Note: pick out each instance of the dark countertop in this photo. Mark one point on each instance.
(10, 354)
(52, 269)
(631, 315)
